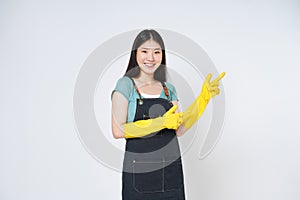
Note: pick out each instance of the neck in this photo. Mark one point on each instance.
(146, 78)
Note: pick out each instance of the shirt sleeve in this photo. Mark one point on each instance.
(124, 86)
(172, 91)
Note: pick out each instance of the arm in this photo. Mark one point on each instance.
(140, 128)
(119, 114)
(181, 129)
(196, 109)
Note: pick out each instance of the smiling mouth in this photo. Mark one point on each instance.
(149, 65)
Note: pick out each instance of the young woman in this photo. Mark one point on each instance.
(144, 112)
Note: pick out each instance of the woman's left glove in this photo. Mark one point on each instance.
(196, 109)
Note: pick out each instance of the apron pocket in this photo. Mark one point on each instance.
(148, 176)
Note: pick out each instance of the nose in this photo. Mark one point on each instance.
(150, 56)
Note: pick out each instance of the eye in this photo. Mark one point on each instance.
(144, 51)
(157, 52)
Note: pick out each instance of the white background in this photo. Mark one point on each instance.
(44, 44)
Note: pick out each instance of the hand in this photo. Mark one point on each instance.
(211, 89)
(172, 120)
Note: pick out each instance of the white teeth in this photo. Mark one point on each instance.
(149, 65)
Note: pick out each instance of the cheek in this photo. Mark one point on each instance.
(158, 57)
(139, 58)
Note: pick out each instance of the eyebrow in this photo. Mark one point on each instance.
(151, 48)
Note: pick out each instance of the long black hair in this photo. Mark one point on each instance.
(133, 68)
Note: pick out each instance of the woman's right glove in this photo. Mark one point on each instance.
(196, 109)
(140, 128)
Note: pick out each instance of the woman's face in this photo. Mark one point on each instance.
(149, 56)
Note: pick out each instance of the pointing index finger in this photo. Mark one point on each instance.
(220, 76)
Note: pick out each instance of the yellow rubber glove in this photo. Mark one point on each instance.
(196, 109)
(140, 128)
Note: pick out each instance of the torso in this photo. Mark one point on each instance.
(152, 166)
(153, 88)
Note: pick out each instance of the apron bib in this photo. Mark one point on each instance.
(152, 167)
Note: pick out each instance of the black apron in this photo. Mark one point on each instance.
(152, 167)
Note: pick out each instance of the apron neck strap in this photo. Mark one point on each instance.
(165, 89)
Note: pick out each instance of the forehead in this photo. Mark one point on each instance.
(150, 44)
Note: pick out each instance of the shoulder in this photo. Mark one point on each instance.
(125, 83)
(125, 80)
(170, 86)
(124, 86)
